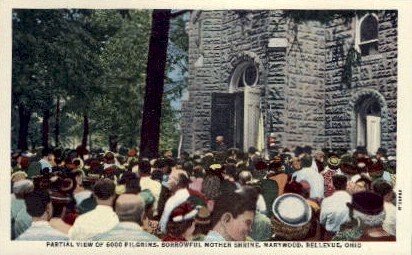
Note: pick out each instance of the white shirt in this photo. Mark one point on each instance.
(314, 179)
(389, 224)
(213, 236)
(81, 196)
(45, 164)
(261, 204)
(42, 231)
(154, 186)
(174, 201)
(334, 211)
(97, 221)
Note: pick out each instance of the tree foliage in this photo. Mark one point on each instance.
(94, 63)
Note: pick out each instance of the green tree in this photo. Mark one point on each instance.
(118, 113)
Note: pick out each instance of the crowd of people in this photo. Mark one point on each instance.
(224, 195)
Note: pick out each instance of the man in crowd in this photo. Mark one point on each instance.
(20, 219)
(47, 161)
(334, 211)
(384, 189)
(310, 175)
(220, 144)
(179, 187)
(146, 182)
(130, 209)
(100, 219)
(39, 207)
(232, 216)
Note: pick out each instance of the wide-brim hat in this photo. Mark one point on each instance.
(215, 169)
(184, 212)
(292, 210)
(334, 161)
(367, 202)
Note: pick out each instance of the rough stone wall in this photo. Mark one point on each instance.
(276, 78)
(375, 76)
(339, 36)
(304, 90)
(304, 100)
(204, 78)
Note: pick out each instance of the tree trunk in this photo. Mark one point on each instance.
(85, 130)
(45, 128)
(156, 64)
(57, 124)
(24, 120)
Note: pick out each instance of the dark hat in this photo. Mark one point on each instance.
(276, 166)
(382, 151)
(252, 150)
(260, 165)
(292, 209)
(367, 202)
(307, 149)
(361, 149)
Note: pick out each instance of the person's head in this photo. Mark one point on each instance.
(306, 161)
(384, 189)
(339, 181)
(181, 222)
(219, 139)
(361, 152)
(244, 177)
(198, 171)
(296, 163)
(233, 213)
(130, 207)
(381, 153)
(22, 188)
(38, 205)
(294, 187)
(46, 152)
(60, 202)
(168, 154)
(48, 155)
(109, 157)
(104, 191)
(78, 176)
(364, 181)
(368, 208)
(144, 167)
(178, 179)
(252, 150)
(231, 171)
(319, 156)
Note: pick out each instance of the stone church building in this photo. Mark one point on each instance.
(307, 81)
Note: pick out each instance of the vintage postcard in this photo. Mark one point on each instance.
(182, 127)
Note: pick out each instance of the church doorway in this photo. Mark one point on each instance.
(368, 123)
(236, 115)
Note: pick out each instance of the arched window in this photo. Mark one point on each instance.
(368, 33)
(245, 74)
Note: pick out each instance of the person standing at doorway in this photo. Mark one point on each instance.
(220, 144)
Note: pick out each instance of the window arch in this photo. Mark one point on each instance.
(245, 74)
(368, 35)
